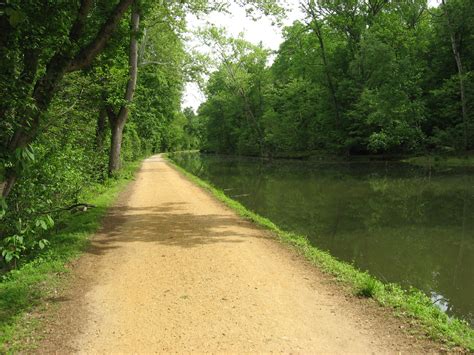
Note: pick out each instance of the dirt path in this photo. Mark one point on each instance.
(173, 270)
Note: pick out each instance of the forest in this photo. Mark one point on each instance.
(89, 86)
(353, 78)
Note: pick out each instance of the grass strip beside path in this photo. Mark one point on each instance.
(31, 286)
(411, 304)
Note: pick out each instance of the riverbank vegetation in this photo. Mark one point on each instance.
(411, 304)
(354, 77)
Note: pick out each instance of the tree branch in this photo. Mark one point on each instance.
(78, 26)
(78, 206)
(45, 86)
(85, 57)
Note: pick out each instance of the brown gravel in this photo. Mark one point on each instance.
(173, 270)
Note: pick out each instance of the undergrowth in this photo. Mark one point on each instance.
(411, 303)
(36, 282)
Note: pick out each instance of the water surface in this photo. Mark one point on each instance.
(405, 224)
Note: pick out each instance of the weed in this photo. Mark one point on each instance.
(368, 288)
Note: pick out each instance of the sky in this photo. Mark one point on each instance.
(254, 31)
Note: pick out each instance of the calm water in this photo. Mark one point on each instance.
(404, 224)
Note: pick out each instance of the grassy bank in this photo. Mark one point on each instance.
(443, 160)
(36, 283)
(411, 304)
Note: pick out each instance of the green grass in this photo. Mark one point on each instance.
(368, 289)
(443, 160)
(411, 304)
(29, 287)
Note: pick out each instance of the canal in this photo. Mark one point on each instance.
(402, 223)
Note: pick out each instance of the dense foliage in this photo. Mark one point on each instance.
(86, 86)
(355, 77)
(67, 135)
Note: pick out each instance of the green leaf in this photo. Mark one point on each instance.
(50, 221)
(28, 154)
(15, 17)
(43, 243)
(8, 257)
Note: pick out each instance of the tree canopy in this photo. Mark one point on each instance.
(354, 77)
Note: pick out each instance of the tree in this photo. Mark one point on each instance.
(61, 68)
(242, 74)
(117, 120)
(315, 11)
(76, 50)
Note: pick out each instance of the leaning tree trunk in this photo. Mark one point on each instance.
(327, 71)
(463, 98)
(117, 121)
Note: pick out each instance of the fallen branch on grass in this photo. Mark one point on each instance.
(77, 207)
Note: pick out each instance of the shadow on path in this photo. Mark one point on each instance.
(167, 224)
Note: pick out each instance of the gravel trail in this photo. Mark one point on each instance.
(173, 270)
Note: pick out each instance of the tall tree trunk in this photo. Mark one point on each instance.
(331, 86)
(117, 122)
(11, 180)
(459, 66)
(463, 99)
(115, 145)
(7, 66)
